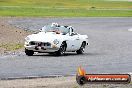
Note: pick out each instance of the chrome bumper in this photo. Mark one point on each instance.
(35, 48)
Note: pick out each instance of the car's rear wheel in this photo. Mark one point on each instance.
(62, 49)
(82, 48)
(29, 52)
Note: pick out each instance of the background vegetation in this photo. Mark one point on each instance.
(65, 8)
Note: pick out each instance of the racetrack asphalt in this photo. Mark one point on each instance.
(110, 49)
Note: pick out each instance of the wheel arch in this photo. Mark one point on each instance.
(65, 43)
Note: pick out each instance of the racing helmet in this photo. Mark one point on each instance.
(54, 25)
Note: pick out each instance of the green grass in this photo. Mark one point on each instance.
(11, 47)
(65, 8)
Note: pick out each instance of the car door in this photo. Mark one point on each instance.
(76, 42)
(73, 43)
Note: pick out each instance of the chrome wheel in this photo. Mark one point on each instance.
(62, 49)
(82, 48)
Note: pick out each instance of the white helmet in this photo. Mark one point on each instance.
(54, 25)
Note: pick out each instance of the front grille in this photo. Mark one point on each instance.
(32, 43)
(40, 43)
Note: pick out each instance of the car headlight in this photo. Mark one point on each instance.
(56, 41)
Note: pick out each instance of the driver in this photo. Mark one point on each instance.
(54, 25)
(55, 29)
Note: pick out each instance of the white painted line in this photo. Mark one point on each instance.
(65, 7)
(130, 29)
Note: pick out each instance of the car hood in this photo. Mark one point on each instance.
(45, 37)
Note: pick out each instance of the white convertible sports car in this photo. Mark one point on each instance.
(55, 39)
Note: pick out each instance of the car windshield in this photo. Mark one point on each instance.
(62, 29)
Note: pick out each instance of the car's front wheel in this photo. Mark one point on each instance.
(62, 49)
(82, 48)
(29, 52)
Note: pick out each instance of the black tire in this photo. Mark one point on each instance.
(51, 53)
(81, 50)
(81, 80)
(29, 52)
(62, 49)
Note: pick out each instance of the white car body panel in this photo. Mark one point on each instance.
(73, 41)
